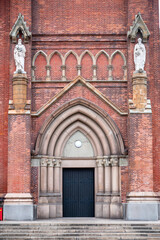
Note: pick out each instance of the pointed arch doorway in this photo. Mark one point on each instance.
(78, 183)
(79, 136)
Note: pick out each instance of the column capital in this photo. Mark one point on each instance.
(99, 161)
(114, 161)
(50, 162)
(44, 162)
(63, 67)
(110, 67)
(57, 162)
(106, 161)
(48, 67)
(94, 66)
(79, 67)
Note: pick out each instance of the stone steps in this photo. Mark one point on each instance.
(60, 231)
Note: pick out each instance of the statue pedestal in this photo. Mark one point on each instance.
(139, 81)
(19, 90)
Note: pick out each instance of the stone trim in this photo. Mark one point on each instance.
(79, 61)
(133, 110)
(70, 85)
(20, 24)
(138, 24)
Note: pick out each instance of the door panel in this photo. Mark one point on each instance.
(78, 192)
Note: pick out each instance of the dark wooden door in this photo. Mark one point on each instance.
(78, 192)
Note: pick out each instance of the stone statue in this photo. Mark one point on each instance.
(19, 55)
(139, 56)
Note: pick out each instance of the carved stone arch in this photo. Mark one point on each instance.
(92, 129)
(58, 53)
(37, 54)
(102, 66)
(122, 55)
(138, 24)
(33, 62)
(78, 126)
(71, 52)
(101, 52)
(98, 115)
(124, 66)
(90, 54)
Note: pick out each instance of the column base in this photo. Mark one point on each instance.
(142, 206)
(50, 206)
(18, 207)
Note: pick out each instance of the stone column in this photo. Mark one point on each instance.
(57, 175)
(107, 187)
(115, 174)
(107, 174)
(50, 176)
(110, 69)
(48, 68)
(100, 188)
(43, 175)
(63, 68)
(100, 174)
(115, 206)
(94, 67)
(79, 67)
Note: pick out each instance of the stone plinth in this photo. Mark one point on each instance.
(19, 90)
(139, 90)
(142, 206)
(18, 206)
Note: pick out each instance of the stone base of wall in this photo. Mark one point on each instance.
(18, 207)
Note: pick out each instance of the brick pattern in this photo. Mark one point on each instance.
(82, 17)
(19, 154)
(140, 153)
(4, 93)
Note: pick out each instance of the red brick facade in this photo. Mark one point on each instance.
(89, 39)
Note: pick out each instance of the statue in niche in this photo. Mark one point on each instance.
(139, 56)
(19, 55)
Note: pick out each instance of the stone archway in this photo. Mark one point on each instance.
(96, 131)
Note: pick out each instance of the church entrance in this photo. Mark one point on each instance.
(80, 150)
(78, 192)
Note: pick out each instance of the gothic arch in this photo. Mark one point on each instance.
(99, 53)
(90, 54)
(122, 55)
(58, 53)
(68, 53)
(37, 54)
(78, 113)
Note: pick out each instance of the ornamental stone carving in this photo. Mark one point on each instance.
(99, 162)
(106, 161)
(57, 163)
(114, 161)
(44, 162)
(20, 25)
(138, 25)
(19, 56)
(139, 56)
